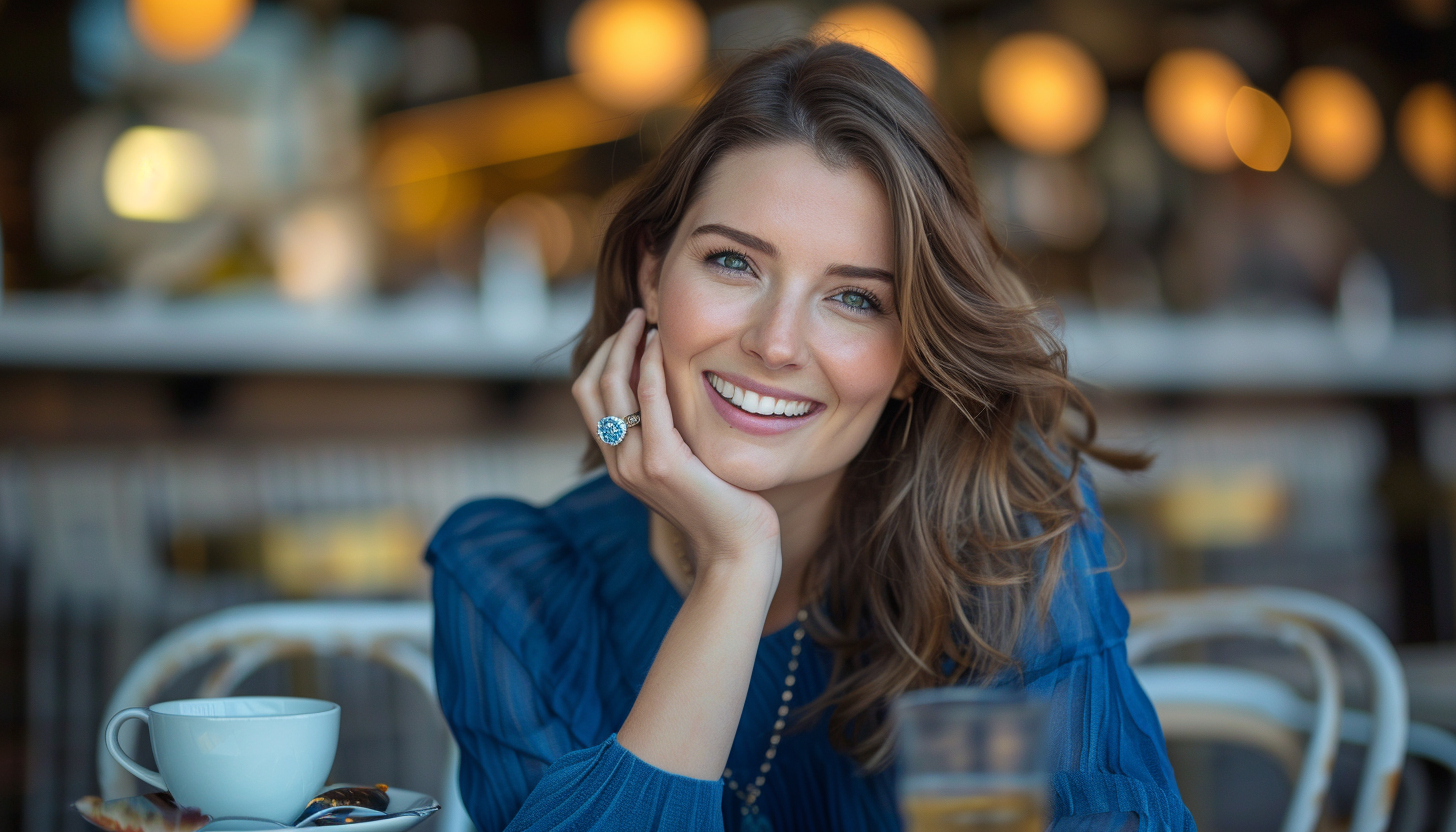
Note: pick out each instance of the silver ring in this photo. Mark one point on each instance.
(613, 429)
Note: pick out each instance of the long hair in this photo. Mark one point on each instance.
(960, 504)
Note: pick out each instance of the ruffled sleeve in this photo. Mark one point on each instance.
(519, 663)
(1108, 750)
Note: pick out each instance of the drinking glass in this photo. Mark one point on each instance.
(971, 760)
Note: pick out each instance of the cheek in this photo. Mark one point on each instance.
(862, 367)
(693, 316)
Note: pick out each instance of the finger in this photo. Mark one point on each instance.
(587, 387)
(616, 390)
(658, 433)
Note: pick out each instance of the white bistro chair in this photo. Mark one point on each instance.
(1198, 701)
(396, 634)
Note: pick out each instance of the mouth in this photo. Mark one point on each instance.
(732, 398)
(759, 402)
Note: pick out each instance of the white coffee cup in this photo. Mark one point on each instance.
(237, 756)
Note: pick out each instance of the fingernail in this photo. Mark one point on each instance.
(651, 333)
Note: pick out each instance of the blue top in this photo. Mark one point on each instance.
(547, 621)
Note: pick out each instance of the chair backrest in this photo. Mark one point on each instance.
(396, 634)
(1158, 617)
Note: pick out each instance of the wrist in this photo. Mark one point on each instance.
(746, 575)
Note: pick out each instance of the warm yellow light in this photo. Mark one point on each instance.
(887, 32)
(1188, 95)
(158, 174)
(1043, 93)
(187, 31)
(1258, 130)
(637, 54)
(1338, 132)
(1425, 132)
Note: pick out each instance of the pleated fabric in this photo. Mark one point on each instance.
(548, 619)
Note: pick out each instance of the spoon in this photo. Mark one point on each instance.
(246, 824)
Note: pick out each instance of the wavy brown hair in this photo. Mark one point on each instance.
(961, 502)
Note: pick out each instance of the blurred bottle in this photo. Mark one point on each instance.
(513, 299)
(1366, 306)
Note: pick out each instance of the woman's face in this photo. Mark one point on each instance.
(778, 286)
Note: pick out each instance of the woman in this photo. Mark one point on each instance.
(850, 479)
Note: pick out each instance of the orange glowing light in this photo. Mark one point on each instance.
(1425, 132)
(1338, 131)
(414, 173)
(1043, 93)
(887, 32)
(637, 54)
(187, 31)
(494, 128)
(1188, 95)
(1258, 130)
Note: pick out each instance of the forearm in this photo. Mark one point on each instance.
(687, 713)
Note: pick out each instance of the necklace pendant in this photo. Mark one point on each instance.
(755, 823)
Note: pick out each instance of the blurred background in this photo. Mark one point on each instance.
(283, 282)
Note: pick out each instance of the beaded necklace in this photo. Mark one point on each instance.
(751, 789)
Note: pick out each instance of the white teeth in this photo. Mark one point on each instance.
(752, 402)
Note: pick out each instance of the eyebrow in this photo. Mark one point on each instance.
(759, 244)
(740, 237)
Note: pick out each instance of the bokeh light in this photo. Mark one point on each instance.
(1338, 132)
(1188, 95)
(887, 32)
(1258, 130)
(187, 31)
(1043, 93)
(637, 54)
(322, 252)
(1425, 133)
(159, 174)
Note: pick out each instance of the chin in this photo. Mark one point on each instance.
(749, 468)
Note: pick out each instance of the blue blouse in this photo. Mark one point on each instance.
(548, 619)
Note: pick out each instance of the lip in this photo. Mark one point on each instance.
(752, 422)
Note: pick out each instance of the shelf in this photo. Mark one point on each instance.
(446, 336)
(1283, 354)
(426, 336)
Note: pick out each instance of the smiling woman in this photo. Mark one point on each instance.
(852, 477)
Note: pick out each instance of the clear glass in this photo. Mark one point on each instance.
(971, 760)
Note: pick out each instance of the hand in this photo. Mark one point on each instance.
(721, 524)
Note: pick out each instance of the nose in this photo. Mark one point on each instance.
(775, 333)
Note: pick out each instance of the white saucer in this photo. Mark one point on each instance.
(408, 809)
(149, 812)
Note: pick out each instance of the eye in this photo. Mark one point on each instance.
(859, 301)
(730, 260)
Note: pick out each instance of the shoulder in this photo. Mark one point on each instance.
(501, 546)
(496, 526)
(1085, 615)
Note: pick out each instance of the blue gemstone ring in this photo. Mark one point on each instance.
(613, 429)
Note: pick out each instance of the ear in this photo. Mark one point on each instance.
(649, 272)
(905, 387)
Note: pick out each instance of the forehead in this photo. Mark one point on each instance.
(785, 194)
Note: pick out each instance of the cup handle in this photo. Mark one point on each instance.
(113, 745)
